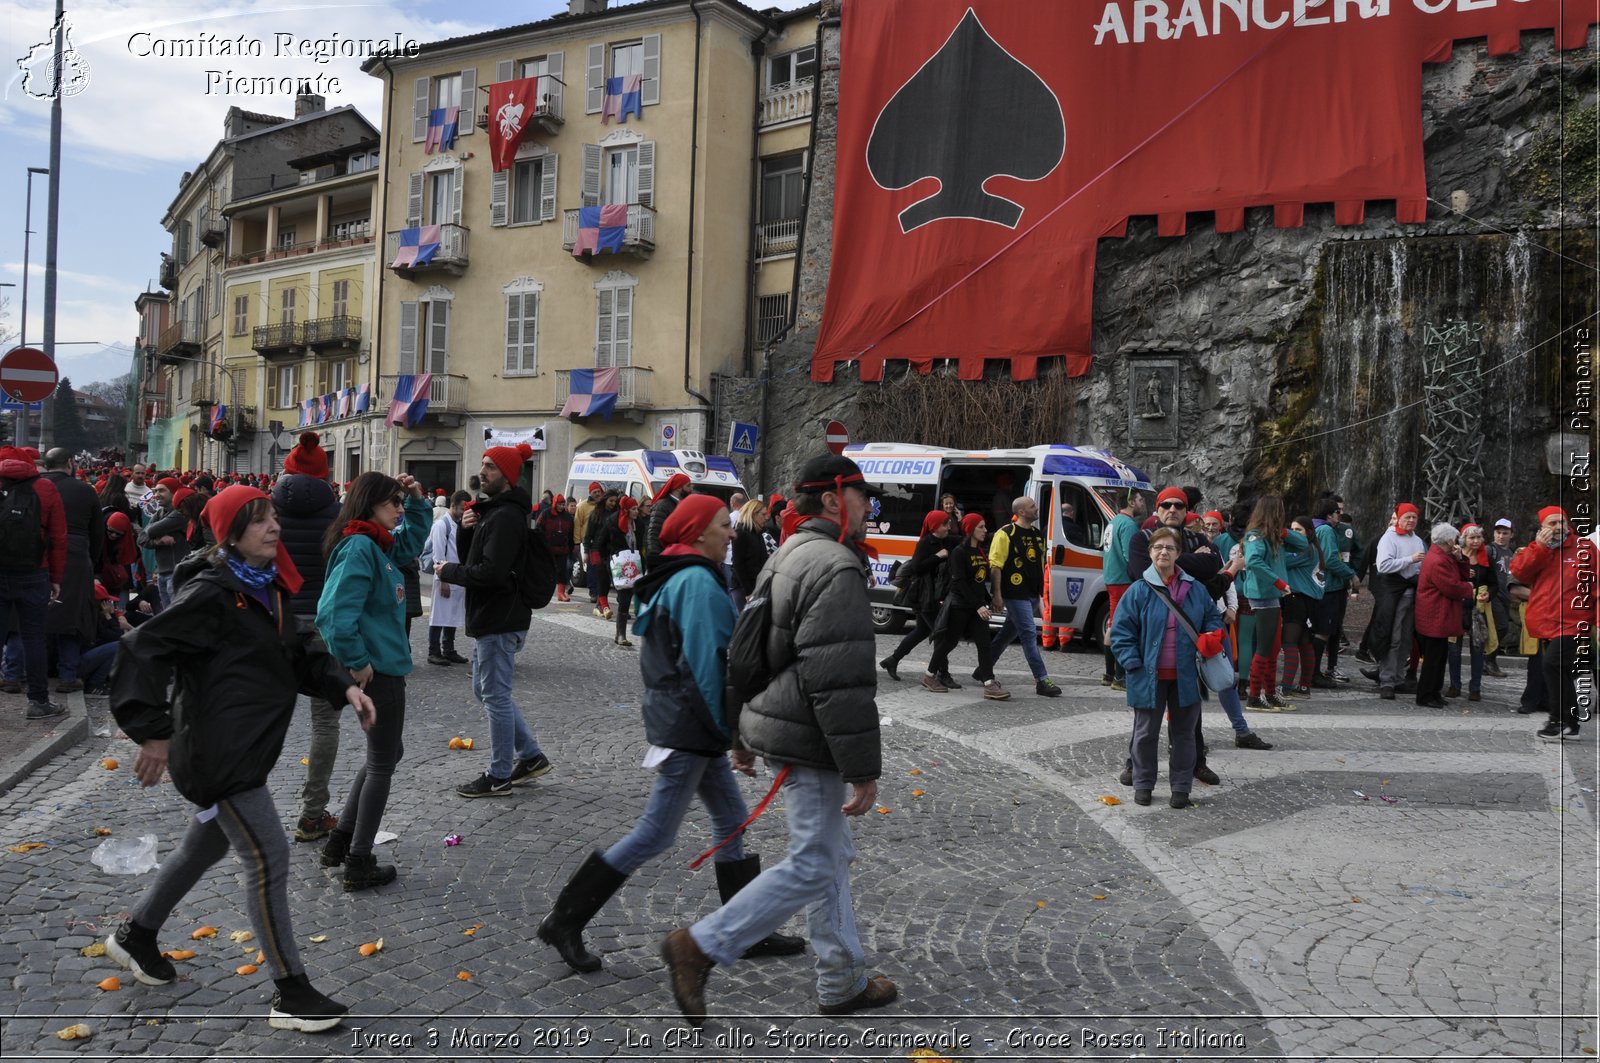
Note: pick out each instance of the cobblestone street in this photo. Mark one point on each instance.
(1447, 913)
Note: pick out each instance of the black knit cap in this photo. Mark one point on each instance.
(832, 472)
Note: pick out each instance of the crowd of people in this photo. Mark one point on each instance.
(204, 606)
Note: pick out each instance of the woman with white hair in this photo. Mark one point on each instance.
(1444, 585)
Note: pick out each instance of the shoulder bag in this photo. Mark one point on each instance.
(1216, 673)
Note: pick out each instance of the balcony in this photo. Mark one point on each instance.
(546, 115)
(275, 341)
(206, 391)
(789, 102)
(627, 387)
(775, 239)
(638, 239)
(180, 340)
(451, 256)
(169, 273)
(340, 331)
(447, 395)
(156, 408)
(213, 227)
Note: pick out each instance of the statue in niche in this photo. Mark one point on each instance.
(1153, 410)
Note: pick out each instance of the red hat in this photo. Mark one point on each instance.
(675, 481)
(625, 508)
(180, 494)
(101, 594)
(559, 500)
(170, 483)
(692, 517)
(1551, 511)
(969, 522)
(596, 485)
(933, 520)
(308, 458)
(509, 460)
(439, 491)
(219, 514)
(1172, 494)
(1402, 509)
(118, 521)
(1214, 515)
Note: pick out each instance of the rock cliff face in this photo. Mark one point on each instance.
(1293, 356)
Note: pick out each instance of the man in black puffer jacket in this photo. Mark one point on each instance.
(306, 506)
(819, 719)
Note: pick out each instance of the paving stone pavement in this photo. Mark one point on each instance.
(1450, 913)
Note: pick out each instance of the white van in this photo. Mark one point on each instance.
(1091, 482)
(641, 473)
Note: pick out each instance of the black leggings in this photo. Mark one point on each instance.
(923, 629)
(620, 607)
(369, 793)
(964, 623)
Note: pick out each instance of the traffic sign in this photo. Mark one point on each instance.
(838, 436)
(27, 375)
(669, 434)
(8, 405)
(742, 437)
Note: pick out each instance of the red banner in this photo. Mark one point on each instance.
(511, 105)
(985, 146)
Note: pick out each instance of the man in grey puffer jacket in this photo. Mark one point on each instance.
(819, 718)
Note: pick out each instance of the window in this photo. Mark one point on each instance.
(458, 89)
(286, 306)
(181, 246)
(614, 327)
(241, 314)
(621, 59)
(783, 187)
(425, 333)
(283, 387)
(772, 313)
(341, 298)
(285, 239)
(792, 66)
(527, 183)
(333, 377)
(351, 229)
(627, 59)
(622, 175)
(533, 68)
(1088, 523)
(441, 198)
(447, 90)
(216, 294)
(522, 332)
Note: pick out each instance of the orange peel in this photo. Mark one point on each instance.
(109, 985)
(110, 764)
(203, 932)
(246, 968)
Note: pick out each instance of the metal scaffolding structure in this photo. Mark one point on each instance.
(1452, 382)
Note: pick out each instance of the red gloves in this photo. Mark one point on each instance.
(1209, 643)
(1282, 586)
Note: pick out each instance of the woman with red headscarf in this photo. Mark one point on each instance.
(925, 580)
(231, 655)
(618, 540)
(118, 553)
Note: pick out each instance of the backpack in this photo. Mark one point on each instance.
(21, 537)
(535, 574)
(749, 672)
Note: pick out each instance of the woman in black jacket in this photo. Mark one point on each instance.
(751, 548)
(927, 580)
(618, 532)
(596, 558)
(238, 659)
(967, 613)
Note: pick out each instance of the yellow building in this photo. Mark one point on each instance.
(501, 312)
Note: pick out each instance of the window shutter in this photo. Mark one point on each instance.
(419, 111)
(550, 85)
(414, 200)
(503, 70)
(647, 173)
(456, 182)
(547, 188)
(272, 389)
(595, 80)
(513, 332)
(408, 338)
(467, 125)
(294, 386)
(499, 196)
(650, 83)
(322, 378)
(438, 336)
(530, 332)
(602, 351)
(622, 330)
(591, 175)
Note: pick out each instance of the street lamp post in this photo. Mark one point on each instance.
(27, 233)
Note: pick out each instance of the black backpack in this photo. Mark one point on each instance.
(749, 672)
(21, 538)
(535, 574)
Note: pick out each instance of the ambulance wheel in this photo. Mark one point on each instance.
(1096, 631)
(887, 620)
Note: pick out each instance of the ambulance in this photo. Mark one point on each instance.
(1078, 490)
(641, 473)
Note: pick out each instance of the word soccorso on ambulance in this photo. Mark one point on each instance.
(641, 473)
(1078, 491)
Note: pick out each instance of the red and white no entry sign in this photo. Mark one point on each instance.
(838, 436)
(27, 374)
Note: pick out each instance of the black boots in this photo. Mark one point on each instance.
(585, 893)
(363, 872)
(735, 875)
(335, 848)
(298, 1006)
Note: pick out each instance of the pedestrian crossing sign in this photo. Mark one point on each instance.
(742, 438)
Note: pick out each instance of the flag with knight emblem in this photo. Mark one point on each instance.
(511, 107)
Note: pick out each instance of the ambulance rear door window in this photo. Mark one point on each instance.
(900, 508)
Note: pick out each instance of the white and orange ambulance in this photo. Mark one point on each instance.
(641, 473)
(1078, 489)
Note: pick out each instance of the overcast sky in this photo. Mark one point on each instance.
(142, 120)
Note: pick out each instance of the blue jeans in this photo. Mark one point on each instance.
(814, 875)
(681, 776)
(510, 738)
(25, 596)
(1020, 614)
(94, 667)
(1229, 698)
(1476, 656)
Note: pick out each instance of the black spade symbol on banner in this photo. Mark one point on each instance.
(971, 113)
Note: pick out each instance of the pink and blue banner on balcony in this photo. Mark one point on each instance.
(624, 95)
(410, 402)
(601, 229)
(594, 391)
(418, 245)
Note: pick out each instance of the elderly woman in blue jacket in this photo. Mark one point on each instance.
(362, 618)
(1159, 657)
